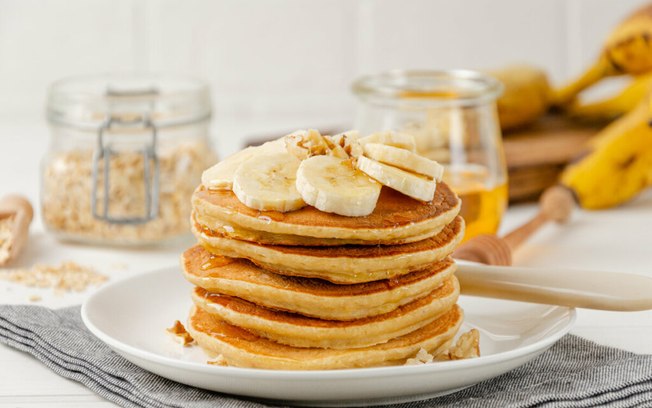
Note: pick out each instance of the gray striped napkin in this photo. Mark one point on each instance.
(574, 373)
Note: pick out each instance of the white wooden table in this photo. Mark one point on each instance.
(614, 240)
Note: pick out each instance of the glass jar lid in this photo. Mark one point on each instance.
(88, 102)
(428, 88)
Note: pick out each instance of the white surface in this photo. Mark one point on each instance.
(613, 240)
(511, 333)
(283, 58)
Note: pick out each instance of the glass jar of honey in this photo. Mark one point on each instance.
(452, 115)
(126, 153)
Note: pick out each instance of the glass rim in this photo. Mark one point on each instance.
(86, 101)
(454, 87)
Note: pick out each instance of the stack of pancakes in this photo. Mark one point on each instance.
(314, 290)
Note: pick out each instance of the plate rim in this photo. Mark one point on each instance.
(349, 373)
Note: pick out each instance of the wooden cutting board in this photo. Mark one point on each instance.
(537, 155)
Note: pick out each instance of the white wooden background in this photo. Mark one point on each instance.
(278, 59)
(278, 64)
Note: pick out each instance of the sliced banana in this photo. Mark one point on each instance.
(333, 185)
(220, 176)
(267, 182)
(410, 184)
(404, 159)
(391, 138)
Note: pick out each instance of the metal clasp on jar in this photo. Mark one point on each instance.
(104, 153)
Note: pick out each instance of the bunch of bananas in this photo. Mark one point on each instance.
(618, 163)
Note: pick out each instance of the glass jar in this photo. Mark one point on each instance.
(452, 115)
(126, 153)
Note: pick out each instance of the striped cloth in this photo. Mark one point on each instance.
(574, 373)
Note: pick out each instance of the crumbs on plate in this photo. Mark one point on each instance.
(467, 346)
(179, 334)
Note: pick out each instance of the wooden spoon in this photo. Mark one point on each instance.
(574, 288)
(17, 213)
(556, 204)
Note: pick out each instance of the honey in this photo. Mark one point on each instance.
(483, 202)
(215, 261)
(441, 94)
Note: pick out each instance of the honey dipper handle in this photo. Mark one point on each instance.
(573, 288)
(486, 249)
(515, 238)
(556, 204)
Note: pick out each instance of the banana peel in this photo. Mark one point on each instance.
(618, 165)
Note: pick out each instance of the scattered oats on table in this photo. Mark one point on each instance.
(65, 277)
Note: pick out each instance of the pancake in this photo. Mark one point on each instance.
(219, 228)
(396, 218)
(309, 297)
(345, 264)
(301, 331)
(242, 348)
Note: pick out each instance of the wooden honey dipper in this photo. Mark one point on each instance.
(556, 204)
(18, 213)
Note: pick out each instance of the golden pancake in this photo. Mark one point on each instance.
(346, 264)
(242, 348)
(221, 229)
(396, 218)
(301, 331)
(309, 297)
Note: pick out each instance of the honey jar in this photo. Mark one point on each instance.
(452, 116)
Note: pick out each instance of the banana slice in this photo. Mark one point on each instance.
(220, 176)
(404, 159)
(410, 184)
(267, 182)
(391, 138)
(333, 185)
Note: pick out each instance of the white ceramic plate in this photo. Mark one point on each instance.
(131, 317)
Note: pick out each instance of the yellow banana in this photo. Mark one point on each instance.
(525, 96)
(618, 105)
(618, 165)
(627, 50)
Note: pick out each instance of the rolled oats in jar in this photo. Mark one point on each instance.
(126, 153)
